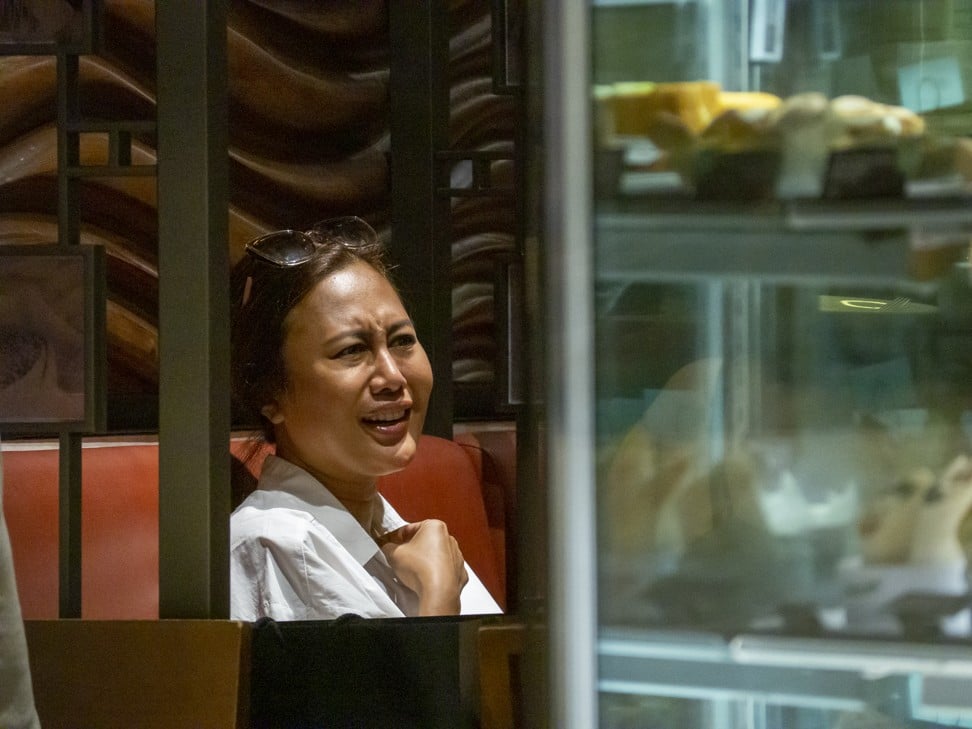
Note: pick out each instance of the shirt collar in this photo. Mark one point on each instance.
(298, 489)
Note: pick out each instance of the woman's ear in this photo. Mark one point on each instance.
(271, 412)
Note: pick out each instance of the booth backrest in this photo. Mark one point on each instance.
(450, 480)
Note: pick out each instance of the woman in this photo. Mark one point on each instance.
(325, 355)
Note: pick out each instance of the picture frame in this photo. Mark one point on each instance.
(52, 339)
(49, 27)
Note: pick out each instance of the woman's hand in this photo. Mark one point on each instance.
(427, 559)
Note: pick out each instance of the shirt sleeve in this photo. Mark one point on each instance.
(284, 566)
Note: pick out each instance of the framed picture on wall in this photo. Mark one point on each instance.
(52, 338)
(47, 27)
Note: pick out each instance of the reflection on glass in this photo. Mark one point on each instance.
(816, 483)
(784, 406)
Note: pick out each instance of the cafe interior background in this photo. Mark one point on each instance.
(696, 257)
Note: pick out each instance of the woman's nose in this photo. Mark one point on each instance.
(388, 375)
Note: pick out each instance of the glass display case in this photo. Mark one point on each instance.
(759, 362)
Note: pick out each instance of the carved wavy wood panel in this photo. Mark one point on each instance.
(308, 110)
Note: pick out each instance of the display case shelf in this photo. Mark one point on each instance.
(913, 682)
(881, 214)
(880, 243)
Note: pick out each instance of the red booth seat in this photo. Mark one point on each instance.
(451, 480)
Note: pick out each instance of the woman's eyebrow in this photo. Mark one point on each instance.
(401, 324)
(359, 333)
(366, 333)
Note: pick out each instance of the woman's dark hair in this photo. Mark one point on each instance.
(262, 295)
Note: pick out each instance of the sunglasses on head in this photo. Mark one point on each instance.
(289, 248)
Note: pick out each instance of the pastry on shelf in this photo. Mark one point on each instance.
(633, 105)
(653, 474)
(921, 518)
(755, 145)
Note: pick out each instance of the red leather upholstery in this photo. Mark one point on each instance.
(494, 453)
(451, 489)
(120, 520)
(30, 509)
(119, 529)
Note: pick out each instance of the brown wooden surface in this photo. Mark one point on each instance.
(500, 648)
(139, 674)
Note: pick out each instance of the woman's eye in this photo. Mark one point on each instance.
(403, 340)
(353, 350)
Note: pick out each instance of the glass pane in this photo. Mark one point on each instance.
(784, 454)
(786, 458)
(783, 342)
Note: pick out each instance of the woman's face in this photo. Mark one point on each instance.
(358, 381)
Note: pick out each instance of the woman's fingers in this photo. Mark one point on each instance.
(400, 535)
(428, 560)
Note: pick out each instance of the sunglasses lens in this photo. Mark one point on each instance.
(283, 248)
(287, 248)
(349, 228)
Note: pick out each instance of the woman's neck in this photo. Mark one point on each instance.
(359, 497)
(367, 512)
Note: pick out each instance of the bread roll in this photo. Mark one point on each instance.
(631, 106)
(746, 100)
(635, 104)
(856, 120)
(737, 129)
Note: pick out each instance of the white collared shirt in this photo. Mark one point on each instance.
(297, 554)
(16, 693)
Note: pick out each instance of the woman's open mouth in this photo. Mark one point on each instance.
(392, 423)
